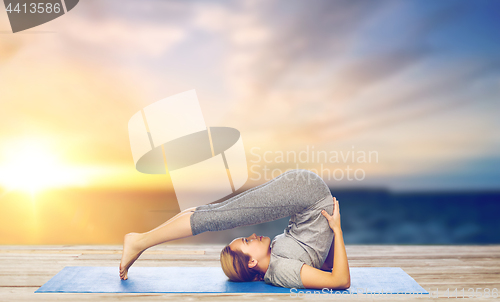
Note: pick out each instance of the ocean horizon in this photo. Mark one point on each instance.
(369, 216)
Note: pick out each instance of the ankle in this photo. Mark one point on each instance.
(142, 241)
(137, 241)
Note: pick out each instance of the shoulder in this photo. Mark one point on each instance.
(284, 272)
(286, 246)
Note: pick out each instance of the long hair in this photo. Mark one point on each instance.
(235, 266)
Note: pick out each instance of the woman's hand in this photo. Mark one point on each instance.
(334, 220)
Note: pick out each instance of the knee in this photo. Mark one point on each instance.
(317, 183)
(306, 178)
(311, 178)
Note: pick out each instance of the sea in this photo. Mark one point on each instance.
(378, 216)
(368, 216)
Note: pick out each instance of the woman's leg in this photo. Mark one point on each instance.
(134, 244)
(290, 193)
(173, 218)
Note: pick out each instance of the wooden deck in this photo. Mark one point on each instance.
(23, 269)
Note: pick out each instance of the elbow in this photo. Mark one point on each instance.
(347, 284)
(342, 284)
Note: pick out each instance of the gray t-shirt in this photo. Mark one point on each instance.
(307, 239)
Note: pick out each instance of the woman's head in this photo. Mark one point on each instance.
(246, 258)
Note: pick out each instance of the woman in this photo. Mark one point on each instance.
(301, 257)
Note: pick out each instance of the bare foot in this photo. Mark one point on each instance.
(130, 253)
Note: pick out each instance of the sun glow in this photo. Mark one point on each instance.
(31, 166)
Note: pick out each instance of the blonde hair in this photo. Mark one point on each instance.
(235, 266)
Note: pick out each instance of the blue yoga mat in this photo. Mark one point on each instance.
(88, 279)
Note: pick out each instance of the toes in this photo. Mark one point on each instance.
(123, 274)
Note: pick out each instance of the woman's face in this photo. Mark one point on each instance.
(255, 246)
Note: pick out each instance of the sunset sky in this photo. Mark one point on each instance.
(416, 81)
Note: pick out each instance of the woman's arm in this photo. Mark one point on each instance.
(340, 277)
(328, 265)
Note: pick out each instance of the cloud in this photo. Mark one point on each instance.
(321, 56)
(128, 39)
(303, 33)
(446, 89)
(285, 73)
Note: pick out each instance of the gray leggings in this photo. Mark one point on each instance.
(288, 194)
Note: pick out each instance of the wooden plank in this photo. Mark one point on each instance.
(24, 268)
(101, 252)
(24, 294)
